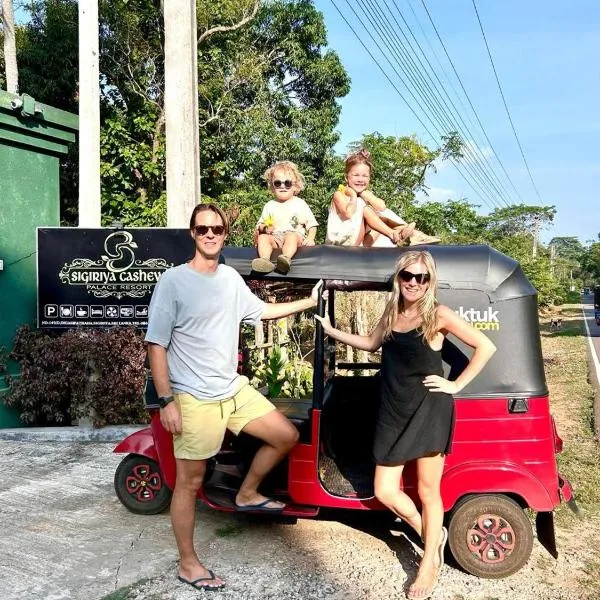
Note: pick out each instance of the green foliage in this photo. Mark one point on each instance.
(77, 374)
(283, 375)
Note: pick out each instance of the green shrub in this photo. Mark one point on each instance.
(78, 373)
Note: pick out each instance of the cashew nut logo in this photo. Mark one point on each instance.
(119, 251)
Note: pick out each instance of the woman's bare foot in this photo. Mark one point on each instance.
(424, 583)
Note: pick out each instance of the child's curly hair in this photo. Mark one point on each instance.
(360, 157)
(290, 167)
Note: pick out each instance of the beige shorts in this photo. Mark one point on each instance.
(279, 237)
(204, 422)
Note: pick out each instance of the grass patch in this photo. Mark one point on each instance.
(129, 592)
(228, 530)
(571, 403)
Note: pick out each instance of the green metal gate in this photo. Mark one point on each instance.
(33, 137)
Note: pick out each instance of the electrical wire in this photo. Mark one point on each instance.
(504, 102)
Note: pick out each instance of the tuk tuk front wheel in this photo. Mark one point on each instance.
(139, 485)
(490, 536)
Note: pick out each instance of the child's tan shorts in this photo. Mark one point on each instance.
(204, 422)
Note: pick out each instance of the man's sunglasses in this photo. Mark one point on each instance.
(203, 229)
(420, 278)
(287, 184)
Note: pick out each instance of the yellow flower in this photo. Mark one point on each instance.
(342, 188)
(269, 221)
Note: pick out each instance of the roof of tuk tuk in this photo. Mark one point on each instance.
(476, 267)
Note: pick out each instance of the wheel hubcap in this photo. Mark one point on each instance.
(491, 538)
(143, 483)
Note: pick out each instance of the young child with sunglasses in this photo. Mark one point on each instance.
(285, 222)
(357, 217)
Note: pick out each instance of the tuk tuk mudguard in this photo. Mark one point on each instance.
(141, 442)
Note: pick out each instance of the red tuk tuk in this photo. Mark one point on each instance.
(503, 457)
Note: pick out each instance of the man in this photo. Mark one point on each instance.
(193, 332)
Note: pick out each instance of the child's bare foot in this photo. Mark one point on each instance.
(420, 238)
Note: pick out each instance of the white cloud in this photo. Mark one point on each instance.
(436, 194)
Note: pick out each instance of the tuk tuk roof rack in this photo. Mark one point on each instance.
(476, 267)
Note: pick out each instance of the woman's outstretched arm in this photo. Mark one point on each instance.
(370, 342)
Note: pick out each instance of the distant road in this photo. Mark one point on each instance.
(593, 335)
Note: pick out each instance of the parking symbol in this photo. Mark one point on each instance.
(96, 311)
(51, 311)
(82, 311)
(66, 311)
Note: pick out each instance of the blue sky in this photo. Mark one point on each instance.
(547, 55)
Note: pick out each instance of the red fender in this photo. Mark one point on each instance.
(502, 478)
(141, 442)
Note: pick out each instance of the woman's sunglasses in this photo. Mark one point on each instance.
(203, 229)
(287, 184)
(420, 278)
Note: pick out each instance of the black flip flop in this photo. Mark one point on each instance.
(198, 585)
(260, 507)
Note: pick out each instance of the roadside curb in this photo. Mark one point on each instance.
(69, 434)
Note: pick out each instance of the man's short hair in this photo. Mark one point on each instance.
(213, 208)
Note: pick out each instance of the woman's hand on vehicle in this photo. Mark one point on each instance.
(435, 383)
(170, 417)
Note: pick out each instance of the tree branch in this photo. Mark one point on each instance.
(222, 28)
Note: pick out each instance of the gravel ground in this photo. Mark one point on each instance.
(333, 560)
(65, 536)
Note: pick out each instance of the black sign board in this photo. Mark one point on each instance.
(103, 277)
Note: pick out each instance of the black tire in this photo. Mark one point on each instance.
(140, 486)
(490, 536)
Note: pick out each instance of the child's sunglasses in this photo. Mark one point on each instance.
(203, 229)
(287, 184)
(420, 278)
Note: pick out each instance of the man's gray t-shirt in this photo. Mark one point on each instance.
(196, 317)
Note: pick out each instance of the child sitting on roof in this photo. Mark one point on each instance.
(285, 222)
(357, 217)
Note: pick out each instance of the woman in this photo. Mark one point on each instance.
(415, 418)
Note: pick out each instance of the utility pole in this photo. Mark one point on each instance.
(10, 47)
(181, 111)
(89, 115)
(536, 233)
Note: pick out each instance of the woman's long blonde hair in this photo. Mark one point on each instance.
(426, 306)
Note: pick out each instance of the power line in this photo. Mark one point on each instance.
(419, 119)
(439, 37)
(458, 96)
(428, 95)
(451, 112)
(504, 101)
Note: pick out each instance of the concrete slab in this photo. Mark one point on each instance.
(64, 534)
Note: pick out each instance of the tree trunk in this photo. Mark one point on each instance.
(10, 47)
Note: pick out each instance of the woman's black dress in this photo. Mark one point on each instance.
(411, 421)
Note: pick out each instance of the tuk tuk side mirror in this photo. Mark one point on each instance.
(518, 405)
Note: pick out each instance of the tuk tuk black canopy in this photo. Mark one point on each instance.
(459, 267)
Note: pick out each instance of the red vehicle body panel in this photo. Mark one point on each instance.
(494, 451)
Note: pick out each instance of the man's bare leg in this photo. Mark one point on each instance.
(279, 436)
(190, 474)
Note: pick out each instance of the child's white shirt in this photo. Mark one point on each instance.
(292, 215)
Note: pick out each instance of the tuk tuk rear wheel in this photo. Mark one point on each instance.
(139, 485)
(490, 536)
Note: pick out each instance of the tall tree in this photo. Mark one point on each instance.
(10, 47)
